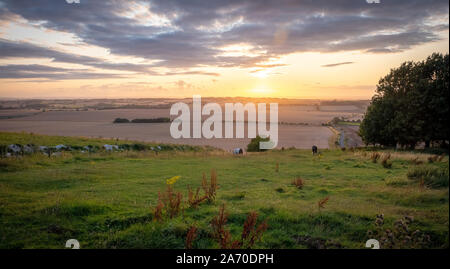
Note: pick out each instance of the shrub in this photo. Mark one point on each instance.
(399, 236)
(374, 157)
(253, 146)
(321, 204)
(139, 147)
(169, 200)
(298, 182)
(190, 237)
(280, 190)
(155, 120)
(158, 214)
(250, 232)
(433, 177)
(121, 120)
(210, 188)
(385, 161)
(416, 161)
(218, 223)
(436, 158)
(432, 159)
(3, 151)
(195, 199)
(125, 147)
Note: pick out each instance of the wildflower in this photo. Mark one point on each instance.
(172, 180)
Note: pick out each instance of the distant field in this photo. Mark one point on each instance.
(99, 123)
(107, 200)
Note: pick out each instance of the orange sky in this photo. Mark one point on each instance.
(347, 74)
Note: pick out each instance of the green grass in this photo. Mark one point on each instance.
(7, 138)
(432, 176)
(349, 123)
(106, 200)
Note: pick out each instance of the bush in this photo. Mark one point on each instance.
(156, 120)
(253, 146)
(251, 232)
(120, 120)
(298, 182)
(400, 235)
(3, 151)
(385, 161)
(416, 161)
(139, 147)
(125, 147)
(433, 177)
(170, 201)
(210, 188)
(374, 157)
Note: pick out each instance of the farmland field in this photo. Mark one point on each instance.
(98, 123)
(108, 200)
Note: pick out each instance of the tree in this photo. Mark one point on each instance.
(410, 105)
(253, 146)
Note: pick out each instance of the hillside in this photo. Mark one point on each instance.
(108, 200)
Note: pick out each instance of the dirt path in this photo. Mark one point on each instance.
(342, 140)
(349, 136)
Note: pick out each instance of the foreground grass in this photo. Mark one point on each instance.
(107, 200)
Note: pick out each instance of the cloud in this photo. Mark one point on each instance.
(181, 84)
(36, 71)
(189, 34)
(192, 73)
(337, 64)
(10, 49)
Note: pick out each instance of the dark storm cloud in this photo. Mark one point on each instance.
(198, 28)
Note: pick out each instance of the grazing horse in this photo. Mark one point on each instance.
(314, 150)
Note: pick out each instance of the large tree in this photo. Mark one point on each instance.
(410, 105)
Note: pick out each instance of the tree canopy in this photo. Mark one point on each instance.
(410, 105)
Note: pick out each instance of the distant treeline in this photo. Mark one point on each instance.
(155, 120)
(359, 103)
(103, 106)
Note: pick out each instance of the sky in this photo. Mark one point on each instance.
(335, 49)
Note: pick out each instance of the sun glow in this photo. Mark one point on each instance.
(260, 73)
(262, 91)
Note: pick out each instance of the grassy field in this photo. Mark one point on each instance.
(349, 123)
(107, 200)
